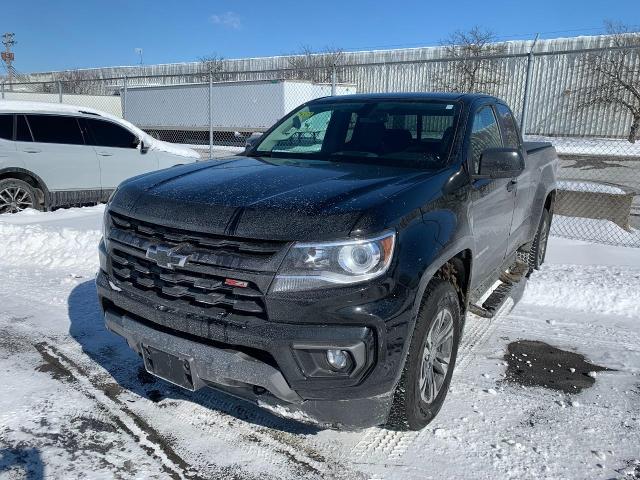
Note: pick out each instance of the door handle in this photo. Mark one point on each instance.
(511, 185)
(105, 154)
(32, 150)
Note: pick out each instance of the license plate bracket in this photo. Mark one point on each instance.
(175, 369)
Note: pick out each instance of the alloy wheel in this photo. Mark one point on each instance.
(15, 199)
(436, 355)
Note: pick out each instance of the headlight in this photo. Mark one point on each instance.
(326, 264)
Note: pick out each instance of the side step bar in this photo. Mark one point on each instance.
(510, 285)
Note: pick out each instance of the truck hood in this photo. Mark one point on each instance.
(279, 199)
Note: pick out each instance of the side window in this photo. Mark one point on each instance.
(484, 134)
(55, 129)
(510, 134)
(23, 134)
(6, 127)
(108, 134)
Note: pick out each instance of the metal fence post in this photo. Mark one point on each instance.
(3, 90)
(386, 77)
(59, 91)
(124, 99)
(333, 80)
(527, 88)
(210, 114)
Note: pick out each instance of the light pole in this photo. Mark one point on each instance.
(139, 53)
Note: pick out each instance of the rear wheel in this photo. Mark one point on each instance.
(431, 359)
(539, 249)
(17, 195)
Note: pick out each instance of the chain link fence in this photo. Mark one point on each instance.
(568, 98)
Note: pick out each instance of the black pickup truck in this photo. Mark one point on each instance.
(328, 270)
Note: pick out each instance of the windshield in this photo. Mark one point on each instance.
(414, 134)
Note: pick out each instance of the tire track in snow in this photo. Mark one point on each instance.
(213, 416)
(172, 464)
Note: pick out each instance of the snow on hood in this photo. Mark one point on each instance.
(17, 106)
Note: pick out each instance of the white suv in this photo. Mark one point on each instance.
(53, 155)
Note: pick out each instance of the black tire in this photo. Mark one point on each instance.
(539, 248)
(17, 195)
(410, 410)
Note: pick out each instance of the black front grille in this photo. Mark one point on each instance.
(199, 283)
(152, 233)
(197, 289)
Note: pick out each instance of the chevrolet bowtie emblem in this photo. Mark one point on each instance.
(167, 257)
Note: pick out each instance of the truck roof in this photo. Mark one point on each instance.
(447, 97)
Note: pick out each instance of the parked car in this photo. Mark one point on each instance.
(329, 269)
(53, 155)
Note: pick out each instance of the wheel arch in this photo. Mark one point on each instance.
(550, 201)
(29, 177)
(455, 264)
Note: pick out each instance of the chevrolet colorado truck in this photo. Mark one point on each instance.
(328, 270)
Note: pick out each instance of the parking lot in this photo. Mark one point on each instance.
(75, 399)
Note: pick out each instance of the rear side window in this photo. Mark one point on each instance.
(55, 129)
(23, 134)
(108, 134)
(6, 127)
(508, 126)
(484, 134)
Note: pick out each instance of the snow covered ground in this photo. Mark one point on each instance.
(75, 402)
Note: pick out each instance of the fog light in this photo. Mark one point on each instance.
(338, 359)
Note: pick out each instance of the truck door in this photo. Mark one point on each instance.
(524, 182)
(492, 199)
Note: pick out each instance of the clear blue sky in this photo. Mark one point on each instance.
(55, 35)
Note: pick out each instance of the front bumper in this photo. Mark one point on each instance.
(238, 374)
(267, 362)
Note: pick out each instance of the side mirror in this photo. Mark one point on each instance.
(143, 148)
(251, 141)
(500, 163)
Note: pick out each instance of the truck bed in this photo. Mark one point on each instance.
(532, 147)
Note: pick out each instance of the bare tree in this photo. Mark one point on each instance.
(77, 81)
(211, 64)
(472, 67)
(613, 76)
(315, 66)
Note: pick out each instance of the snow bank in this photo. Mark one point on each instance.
(65, 238)
(593, 289)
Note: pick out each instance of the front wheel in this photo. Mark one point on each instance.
(16, 195)
(431, 359)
